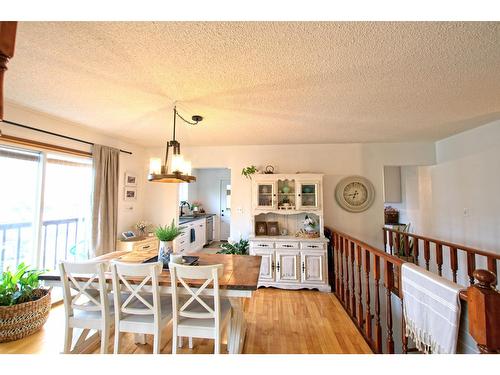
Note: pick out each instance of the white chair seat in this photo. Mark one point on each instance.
(195, 306)
(165, 307)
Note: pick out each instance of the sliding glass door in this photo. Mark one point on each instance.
(19, 206)
(45, 203)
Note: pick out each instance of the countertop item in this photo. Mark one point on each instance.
(189, 218)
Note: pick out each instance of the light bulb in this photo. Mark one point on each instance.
(155, 166)
(187, 167)
(177, 163)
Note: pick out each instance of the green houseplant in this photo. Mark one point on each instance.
(249, 171)
(237, 248)
(24, 305)
(167, 234)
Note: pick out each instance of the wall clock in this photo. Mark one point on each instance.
(355, 193)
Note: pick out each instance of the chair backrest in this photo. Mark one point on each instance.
(179, 273)
(82, 277)
(134, 279)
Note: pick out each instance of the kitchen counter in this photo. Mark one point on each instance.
(188, 218)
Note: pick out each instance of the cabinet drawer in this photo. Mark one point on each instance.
(312, 245)
(262, 245)
(287, 245)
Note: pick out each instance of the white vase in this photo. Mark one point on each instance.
(166, 248)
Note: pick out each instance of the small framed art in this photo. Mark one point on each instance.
(273, 228)
(260, 228)
(130, 179)
(130, 194)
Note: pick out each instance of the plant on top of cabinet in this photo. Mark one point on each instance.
(249, 171)
(238, 248)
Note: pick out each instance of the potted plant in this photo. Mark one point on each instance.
(143, 227)
(403, 253)
(237, 248)
(249, 171)
(24, 305)
(167, 235)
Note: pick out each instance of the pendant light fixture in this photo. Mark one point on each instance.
(180, 169)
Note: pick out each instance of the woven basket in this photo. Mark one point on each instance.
(391, 217)
(24, 319)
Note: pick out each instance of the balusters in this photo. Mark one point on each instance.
(407, 245)
(359, 262)
(385, 238)
(391, 242)
(415, 250)
(378, 327)
(397, 243)
(439, 258)
(454, 262)
(353, 284)
(368, 317)
(341, 269)
(336, 262)
(492, 265)
(389, 283)
(347, 289)
(404, 338)
(427, 253)
(471, 266)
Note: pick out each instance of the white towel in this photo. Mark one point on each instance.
(431, 307)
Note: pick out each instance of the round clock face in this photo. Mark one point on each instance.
(355, 193)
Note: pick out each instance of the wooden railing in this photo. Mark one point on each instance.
(367, 282)
(436, 252)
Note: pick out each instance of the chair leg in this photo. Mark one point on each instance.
(174, 343)
(157, 342)
(105, 339)
(228, 334)
(117, 342)
(217, 344)
(190, 342)
(68, 338)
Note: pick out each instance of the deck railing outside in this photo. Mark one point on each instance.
(61, 239)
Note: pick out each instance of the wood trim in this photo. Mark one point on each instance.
(7, 43)
(447, 244)
(42, 145)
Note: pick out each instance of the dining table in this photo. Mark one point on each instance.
(238, 281)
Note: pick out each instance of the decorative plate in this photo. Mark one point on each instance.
(355, 193)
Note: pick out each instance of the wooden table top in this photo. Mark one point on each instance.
(241, 272)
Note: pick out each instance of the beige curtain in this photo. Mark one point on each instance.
(106, 161)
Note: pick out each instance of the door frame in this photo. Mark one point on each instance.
(220, 206)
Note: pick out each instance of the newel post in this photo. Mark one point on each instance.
(483, 302)
(7, 41)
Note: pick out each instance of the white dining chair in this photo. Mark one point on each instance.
(143, 311)
(198, 315)
(89, 308)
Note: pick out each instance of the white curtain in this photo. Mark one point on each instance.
(106, 162)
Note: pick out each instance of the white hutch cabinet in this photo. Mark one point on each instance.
(290, 262)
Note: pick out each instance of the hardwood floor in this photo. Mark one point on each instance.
(279, 321)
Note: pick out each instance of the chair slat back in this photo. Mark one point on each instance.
(91, 294)
(179, 274)
(134, 279)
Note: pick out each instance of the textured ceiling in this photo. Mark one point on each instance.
(262, 82)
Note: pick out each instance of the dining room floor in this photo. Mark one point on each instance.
(278, 322)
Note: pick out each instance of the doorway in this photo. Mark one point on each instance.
(225, 209)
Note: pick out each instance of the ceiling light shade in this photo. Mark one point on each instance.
(180, 168)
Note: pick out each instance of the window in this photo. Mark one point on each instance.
(45, 202)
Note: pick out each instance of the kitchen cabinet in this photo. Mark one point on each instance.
(291, 262)
(193, 237)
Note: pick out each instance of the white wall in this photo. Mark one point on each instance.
(129, 212)
(335, 161)
(465, 177)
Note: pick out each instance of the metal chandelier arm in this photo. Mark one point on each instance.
(196, 119)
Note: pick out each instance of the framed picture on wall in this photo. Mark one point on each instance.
(130, 194)
(130, 179)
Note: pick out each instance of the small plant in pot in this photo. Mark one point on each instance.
(237, 248)
(24, 305)
(249, 171)
(167, 234)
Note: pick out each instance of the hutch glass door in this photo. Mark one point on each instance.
(266, 195)
(308, 195)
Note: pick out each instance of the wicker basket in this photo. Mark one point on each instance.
(391, 217)
(24, 319)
